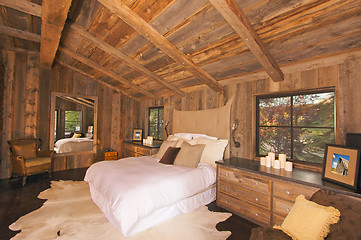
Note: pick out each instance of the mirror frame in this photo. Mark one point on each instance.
(54, 95)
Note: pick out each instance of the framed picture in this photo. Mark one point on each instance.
(137, 135)
(341, 165)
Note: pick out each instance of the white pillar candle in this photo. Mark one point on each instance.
(282, 157)
(288, 166)
(272, 155)
(263, 161)
(276, 164)
(268, 161)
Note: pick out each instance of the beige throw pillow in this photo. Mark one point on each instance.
(163, 148)
(308, 220)
(213, 151)
(189, 155)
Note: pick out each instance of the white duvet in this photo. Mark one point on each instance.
(66, 145)
(131, 189)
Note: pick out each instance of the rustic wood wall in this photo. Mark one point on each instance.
(22, 107)
(344, 75)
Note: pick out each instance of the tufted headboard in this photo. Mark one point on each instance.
(213, 122)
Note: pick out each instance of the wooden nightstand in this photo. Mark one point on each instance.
(133, 149)
(106, 156)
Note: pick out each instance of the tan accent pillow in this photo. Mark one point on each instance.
(27, 151)
(163, 148)
(308, 220)
(189, 155)
(76, 135)
(213, 151)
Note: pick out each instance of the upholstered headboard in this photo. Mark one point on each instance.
(213, 122)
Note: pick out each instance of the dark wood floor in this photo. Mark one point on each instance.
(16, 201)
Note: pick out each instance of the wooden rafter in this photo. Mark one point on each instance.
(102, 69)
(118, 54)
(93, 78)
(142, 27)
(23, 6)
(19, 33)
(53, 16)
(74, 100)
(236, 18)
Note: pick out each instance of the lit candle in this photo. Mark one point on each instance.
(276, 164)
(282, 157)
(288, 166)
(263, 161)
(268, 161)
(272, 155)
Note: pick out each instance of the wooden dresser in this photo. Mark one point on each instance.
(110, 155)
(265, 195)
(134, 149)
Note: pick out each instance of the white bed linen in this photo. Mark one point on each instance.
(66, 145)
(137, 193)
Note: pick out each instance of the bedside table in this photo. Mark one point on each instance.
(135, 149)
(113, 155)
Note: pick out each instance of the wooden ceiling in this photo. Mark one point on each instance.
(152, 48)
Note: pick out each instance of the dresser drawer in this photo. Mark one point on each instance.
(291, 191)
(129, 148)
(144, 151)
(245, 194)
(127, 153)
(257, 214)
(282, 207)
(249, 181)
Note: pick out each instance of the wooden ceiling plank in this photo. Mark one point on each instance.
(23, 6)
(20, 50)
(74, 100)
(118, 54)
(102, 69)
(142, 27)
(236, 18)
(97, 80)
(20, 34)
(53, 16)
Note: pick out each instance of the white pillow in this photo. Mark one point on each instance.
(163, 148)
(172, 138)
(189, 136)
(196, 136)
(192, 141)
(180, 141)
(213, 151)
(186, 136)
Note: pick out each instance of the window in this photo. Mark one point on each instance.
(72, 121)
(156, 115)
(299, 125)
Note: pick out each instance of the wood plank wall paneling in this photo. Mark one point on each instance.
(24, 111)
(345, 77)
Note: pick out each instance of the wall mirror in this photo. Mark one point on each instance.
(73, 123)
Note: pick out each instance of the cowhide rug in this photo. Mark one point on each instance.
(69, 213)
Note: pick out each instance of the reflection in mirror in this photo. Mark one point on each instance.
(73, 123)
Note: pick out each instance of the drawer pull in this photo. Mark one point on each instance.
(288, 192)
(257, 199)
(227, 174)
(287, 210)
(227, 201)
(257, 214)
(257, 183)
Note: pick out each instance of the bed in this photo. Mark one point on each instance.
(137, 193)
(67, 145)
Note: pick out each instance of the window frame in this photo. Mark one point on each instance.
(80, 121)
(158, 123)
(289, 94)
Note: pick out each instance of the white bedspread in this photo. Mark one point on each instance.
(73, 145)
(130, 189)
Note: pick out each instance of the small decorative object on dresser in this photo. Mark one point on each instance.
(342, 165)
(137, 135)
(109, 155)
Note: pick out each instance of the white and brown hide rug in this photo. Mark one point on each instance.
(69, 213)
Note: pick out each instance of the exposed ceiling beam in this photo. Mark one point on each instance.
(93, 78)
(118, 54)
(102, 69)
(53, 16)
(74, 100)
(20, 50)
(236, 18)
(142, 27)
(20, 34)
(23, 6)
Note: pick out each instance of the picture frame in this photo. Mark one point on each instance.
(341, 165)
(137, 135)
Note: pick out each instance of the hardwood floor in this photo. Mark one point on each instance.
(16, 201)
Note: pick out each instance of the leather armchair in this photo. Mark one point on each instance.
(27, 159)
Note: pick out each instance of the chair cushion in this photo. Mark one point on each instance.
(37, 161)
(349, 226)
(27, 151)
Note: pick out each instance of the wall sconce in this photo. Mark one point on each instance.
(166, 123)
(234, 128)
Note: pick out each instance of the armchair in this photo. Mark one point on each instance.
(27, 159)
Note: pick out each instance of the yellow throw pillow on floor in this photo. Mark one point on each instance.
(308, 220)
